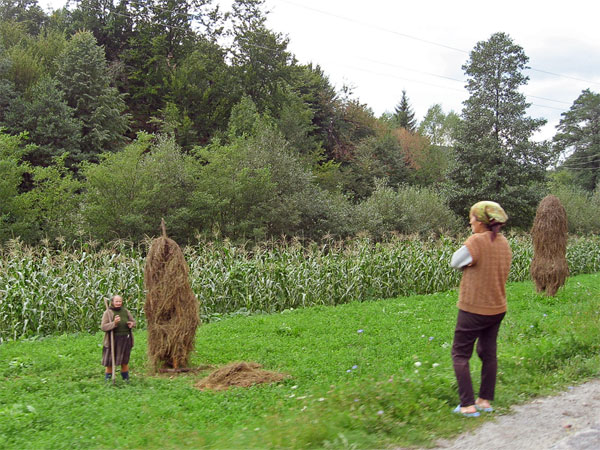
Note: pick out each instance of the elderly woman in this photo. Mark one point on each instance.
(485, 260)
(118, 320)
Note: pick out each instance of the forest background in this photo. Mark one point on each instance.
(114, 114)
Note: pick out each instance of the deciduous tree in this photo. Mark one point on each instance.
(439, 127)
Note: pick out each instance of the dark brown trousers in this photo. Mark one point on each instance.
(469, 328)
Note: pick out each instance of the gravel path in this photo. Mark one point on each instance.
(568, 421)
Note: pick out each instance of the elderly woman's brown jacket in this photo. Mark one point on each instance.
(108, 323)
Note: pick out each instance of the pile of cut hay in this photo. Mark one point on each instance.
(549, 268)
(240, 374)
(171, 307)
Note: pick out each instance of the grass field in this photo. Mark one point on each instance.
(362, 375)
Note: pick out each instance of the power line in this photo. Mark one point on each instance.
(376, 27)
(563, 76)
(410, 69)
(548, 99)
(362, 69)
(457, 80)
(415, 38)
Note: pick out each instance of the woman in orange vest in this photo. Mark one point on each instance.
(485, 260)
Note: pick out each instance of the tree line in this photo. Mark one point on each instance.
(114, 114)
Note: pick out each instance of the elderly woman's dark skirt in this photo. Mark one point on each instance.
(123, 345)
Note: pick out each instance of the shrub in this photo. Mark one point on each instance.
(129, 191)
(407, 210)
(581, 207)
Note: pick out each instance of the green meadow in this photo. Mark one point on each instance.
(361, 375)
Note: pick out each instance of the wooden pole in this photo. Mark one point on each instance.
(112, 346)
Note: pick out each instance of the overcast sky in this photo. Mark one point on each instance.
(380, 47)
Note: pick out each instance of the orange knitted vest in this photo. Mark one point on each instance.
(482, 288)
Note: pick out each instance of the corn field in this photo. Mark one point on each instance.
(47, 291)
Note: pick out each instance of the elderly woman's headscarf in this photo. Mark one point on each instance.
(487, 211)
(490, 213)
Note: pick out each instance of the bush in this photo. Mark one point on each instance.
(256, 188)
(12, 169)
(582, 209)
(407, 210)
(128, 192)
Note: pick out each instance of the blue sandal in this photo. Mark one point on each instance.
(473, 414)
(488, 409)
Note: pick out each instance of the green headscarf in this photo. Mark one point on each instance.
(485, 211)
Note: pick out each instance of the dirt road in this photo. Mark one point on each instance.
(568, 421)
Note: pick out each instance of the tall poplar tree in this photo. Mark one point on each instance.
(495, 156)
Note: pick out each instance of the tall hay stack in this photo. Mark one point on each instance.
(549, 268)
(171, 307)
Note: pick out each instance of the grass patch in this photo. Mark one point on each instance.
(363, 375)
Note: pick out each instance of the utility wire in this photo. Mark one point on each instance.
(362, 69)
(450, 78)
(376, 27)
(415, 38)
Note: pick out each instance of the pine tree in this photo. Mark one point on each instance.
(495, 157)
(404, 116)
(84, 77)
(49, 122)
(579, 131)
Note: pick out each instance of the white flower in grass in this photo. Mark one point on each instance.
(417, 364)
(434, 365)
(380, 412)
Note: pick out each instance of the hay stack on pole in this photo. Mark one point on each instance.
(549, 268)
(171, 307)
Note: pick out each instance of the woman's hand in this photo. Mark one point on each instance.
(117, 319)
(130, 324)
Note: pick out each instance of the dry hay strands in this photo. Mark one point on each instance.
(549, 268)
(549, 274)
(240, 374)
(171, 307)
(550, 228)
